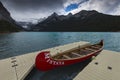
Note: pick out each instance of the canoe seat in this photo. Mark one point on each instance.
(67, 57)
(95, 47)
(90, 49)
(76, 54)
(84, 52)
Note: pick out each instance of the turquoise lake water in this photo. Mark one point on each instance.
(13, 44)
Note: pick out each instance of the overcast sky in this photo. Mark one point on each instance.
(35, 9)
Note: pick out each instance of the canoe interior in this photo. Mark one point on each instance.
(78, 52)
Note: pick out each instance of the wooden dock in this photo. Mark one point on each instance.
(105, 66)
(18, 67)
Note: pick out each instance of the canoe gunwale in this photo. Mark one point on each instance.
(78, 57)
(95, 51)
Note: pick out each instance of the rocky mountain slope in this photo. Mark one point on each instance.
(82, 21)
(7, 24)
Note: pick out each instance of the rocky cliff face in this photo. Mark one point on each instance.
(4, 14)
(7, 24)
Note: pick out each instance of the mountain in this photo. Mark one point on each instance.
(29, 23)
(7, 24)
(82, 21)
(26, 25)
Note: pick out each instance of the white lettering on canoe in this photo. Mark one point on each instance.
(54, 62)
(48, 60)
(59, 62)
(62, 63)
(47, 56)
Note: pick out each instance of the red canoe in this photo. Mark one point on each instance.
(45, 62)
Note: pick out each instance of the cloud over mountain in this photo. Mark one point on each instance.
(104, 6)
(25, 9)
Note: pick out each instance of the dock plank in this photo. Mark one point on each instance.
(7, 69)
(101, 71)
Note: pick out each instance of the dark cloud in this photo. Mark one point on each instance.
(34, 4)
(105, 6)
(32, 8)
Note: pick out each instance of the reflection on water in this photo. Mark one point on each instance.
(24, 42)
